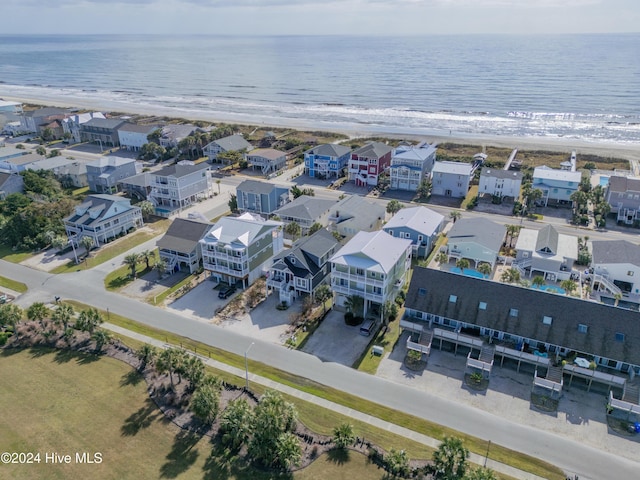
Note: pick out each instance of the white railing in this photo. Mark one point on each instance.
(518, 355)
(622, 405)
(411, 326)
(457, 338)
(601, 377)
(548, 384)
(418, 347)
(608, 284)
(475, 363)
(358, 278)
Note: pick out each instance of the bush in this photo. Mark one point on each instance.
(4, 336)
(348, 318)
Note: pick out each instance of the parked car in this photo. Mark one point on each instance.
(226, 291)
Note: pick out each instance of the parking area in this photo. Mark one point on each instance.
(335, 341)
(201, 303)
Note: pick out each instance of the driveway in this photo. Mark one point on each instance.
(201, 303)
(149, 284)
(335, 341)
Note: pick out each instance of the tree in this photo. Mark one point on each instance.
(218, 183)
(288, 451)
(485, 269)
(538, 281)
(37, 312)
(323, 293)
(454, 215)
(233, 202)
(66, 136)
(147, 355)
(132, 261)
(160, 266)
(314, 228)
(101, 337)
(569, 286)
(481, 473)
(86, 242)
(235, 424)
(293, 229)
(47, 134)
(389, 311)
(450, 459)
(41, 151)
(54, 153)
(512, 231)
(147, 256)
(89, 320)
(394, 206)
(59, 242)
(442, 258)
(298, 192)
(343, 435)
(462, 263)
(397, 462)
(155, 135)
(424, 190)
(10, 315)
(511, 275)
(62, 315)
(193, 369)
(355, 305)
(205, 403)
(230, 158)
(147, 209)
(167, 362)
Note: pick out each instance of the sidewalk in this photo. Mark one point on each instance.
(376, 422)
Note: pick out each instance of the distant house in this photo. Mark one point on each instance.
(10, 183)
(232, 143)
(172, 134)
(557, 186)
(72, 174)
(304, 267)
(476, 239)
(178, 186)
(355, 214)
(132, 136)
(49, 164)
(418, 224)
(72, 124)
(36, 120)
(326, 161)
(7, 153)
(261, 197)
(18, 163)
(103, 218)
(368, 162)
(138, 186)
(10, 112)
(306, 211)
(546, 251)
(179, 247)
(104, 174)
(451, 179)
(410, 165)
(103, 131)
(623, 195)
(372, 265)
(239, 249)
(615, 269)
(500, 183)
(268, 160)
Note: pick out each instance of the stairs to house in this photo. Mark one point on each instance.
(554, 374)
(486, 354)
(631, 393)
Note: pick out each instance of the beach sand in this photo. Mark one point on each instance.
(627, 151)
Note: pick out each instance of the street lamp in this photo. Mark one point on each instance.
(246, 365)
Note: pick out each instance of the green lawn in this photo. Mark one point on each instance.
(10, 255)
(121, 276)
(13, 285)
(476, 445)
(387, 339)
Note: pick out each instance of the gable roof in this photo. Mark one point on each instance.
(420, 152)
(546, 173)
(479, 230)
(93, 209)
(103, 162)
(615, 251)
(257, 187)
(420, 219)
(183, 235)
(624, 184)
(176, 131)
(329, 150)
(180, 170)
(4, 177)
(268, 153)
(305, 207)
(373, 150)
(376, 251)
(547, 239)
(241, 231)
(499, 173)
(453, 168)
(316, 245)
(430, 291)
(109, 123)
(357, 212)
(233, 143)
(135, 128)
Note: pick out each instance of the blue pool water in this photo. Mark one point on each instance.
(604, 180)
(550, 288)
(469, 272)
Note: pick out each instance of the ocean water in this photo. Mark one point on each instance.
(575, 86)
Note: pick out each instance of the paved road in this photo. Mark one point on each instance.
(586, 462)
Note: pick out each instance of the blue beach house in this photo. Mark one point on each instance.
(557, 186)
(419, 224)
(326, 161)
(261, 197)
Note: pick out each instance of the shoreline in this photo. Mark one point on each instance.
(626, 151)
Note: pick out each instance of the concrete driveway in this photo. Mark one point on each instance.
(201, 303)
(335, 341)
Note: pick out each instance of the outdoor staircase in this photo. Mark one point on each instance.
(631, 394)
(608, 284)
(522, 265)
(554, 374)
(487, 354)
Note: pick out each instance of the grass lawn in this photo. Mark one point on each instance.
(120, 277)
(112, 250)
(387, 339)
(13, 285)
(471, 195)
(6, 253)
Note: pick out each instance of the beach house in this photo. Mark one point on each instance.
(546, 252)
(355, 214)
(104, 174)
(103, 131)
(421, 225)
(267, 160)
(35, 121)
(623, 195)
(239, 249)
(305, 211)
(180, 246)
(133, 136)
(451, 179)
(476, 239)
(368, 162)
(410, 165)
(173, 133)
(326, 161)
(16, 160)
(176, 187)
(261, 197)
(10, 183)
(72, 124)
(232, 143)
(557, 186)
(504, 184)
(615, 269)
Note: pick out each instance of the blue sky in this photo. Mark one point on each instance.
(293, 17)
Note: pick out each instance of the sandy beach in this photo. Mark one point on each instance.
(630, 151)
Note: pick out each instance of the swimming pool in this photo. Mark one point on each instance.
(550, 288)
(469, 272)
(604, 180)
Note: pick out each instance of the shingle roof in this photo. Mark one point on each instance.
(139, 180)
(133, 127)
(329, 150)
(254, 186)
(547, 239)
(480, 230)
(377, 251)
(615, 251)
(178, 171)
(110, 123)
(414, 153)
(455, 168)
(242, 230)
(373, 150)
(546, 173)
(305, 208)
(97, 204)
(624, 184)
(233, 143)
(183, 235)
(268, 153)
(317, 245)
(499, 173)
(110, 162)
(421, 219)
(430, 291)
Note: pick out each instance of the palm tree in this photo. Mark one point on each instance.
(193, 371)
(218, 183)
(160, 266)
(343, 435)
(132, 261)
(101, 337)
(88, 320)
(442, 258)
(293, 229)
(323, 293)
(147, 354)
(538, 281)
(618, 297)
(569, 286)
(455, 215)
(205, 403)
(147, 255)
(394, 206)
(398, 462)
(481, 473)
(235, 424)
(450, 459)
(288, 452)
(462, 263)
(86, 242)
(146, 208)
(62, 315)
(485, 269)
(511, 275)
(355, 305)
(37, 312)
(10, 314)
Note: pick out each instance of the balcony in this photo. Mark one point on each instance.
(358, 278)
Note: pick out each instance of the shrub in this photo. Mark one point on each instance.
(348, 318)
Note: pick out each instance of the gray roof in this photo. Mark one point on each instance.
(358, 212)
(98, 203)
(178, 171)
(373, 150)
(329, 150)
(376, 251)
(479, 230)
(547, 239)
(46, 112)
(624, 184)
(430, 292)
(110, 161)
(139, 180)
(316, 245)
(25, 159)
(420, 219)
(254, 186)
(73, 168)
(177, 131)
(239, 231)
(268, 153)
(233, 143)
(134, 127)
(4, 177)
(110, 123)
(49, 163)
(454, 168)
(499, 173)
(183, 235)
(305, 207)
(615, 251)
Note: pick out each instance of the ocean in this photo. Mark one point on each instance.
(583, 87)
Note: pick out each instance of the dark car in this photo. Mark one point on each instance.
(226, 291)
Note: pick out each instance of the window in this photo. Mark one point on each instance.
(422, 292)
(482, 306)
(420, 238)
(630, 273)
(418, 314)
(359, 271)
(390, 232)
(547, 320)
(619, 337)
(513, 312)
(582, 328)
(453, 298)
